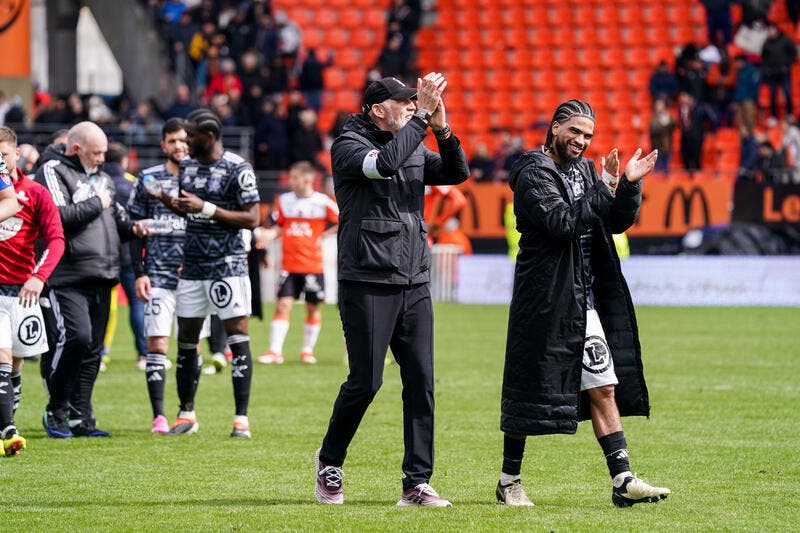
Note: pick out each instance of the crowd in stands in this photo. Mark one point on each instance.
(718, 86)
(248, 63)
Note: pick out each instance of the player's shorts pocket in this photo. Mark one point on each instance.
(380, 244)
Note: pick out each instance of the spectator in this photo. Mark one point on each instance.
(278, 80)
(718, 21)
(142, 121)
(663, 83)
(482, 164)
(754, 11)
(692, 75)
(770, 166)
(745, 92)
(28, 157)
(5, 105)
(338, 124)
(15, 113)
(721, 86)
(305, 142)
(311, 81)
(748, 154)
(290, 36)
(662, 125)
(393, 59)
(271, 139)
(182, 105)
(267, 37)
(750, 38)
(790, 149)
(172, 10)
(695, 118)
(793, 10)
(225, 80)
(777, 57)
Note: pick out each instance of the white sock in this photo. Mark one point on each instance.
(620, 478)
(310, 336)
(277, 334)
(508, 479)
(187, 414)
(241, 419)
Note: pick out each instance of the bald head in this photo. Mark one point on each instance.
(89, 142)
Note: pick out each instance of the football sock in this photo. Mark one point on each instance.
(186, 371)
(6, 396)
(16, 383)
(311, 334)
(277, 333)
(513, 450)
(241, 371)
(156, 374)
(616, 451)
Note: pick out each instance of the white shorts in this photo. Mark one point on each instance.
(226, 297)
(598, 367)
(159, 315)
(21, 328)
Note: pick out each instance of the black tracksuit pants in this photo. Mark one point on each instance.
(73, 366)
(376, 317)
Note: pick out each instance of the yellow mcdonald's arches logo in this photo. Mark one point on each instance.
(686, 200)
(9, 12)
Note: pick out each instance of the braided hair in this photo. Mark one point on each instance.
(206, 121)
(564, 112)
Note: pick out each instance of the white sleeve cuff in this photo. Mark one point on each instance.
(370, 166)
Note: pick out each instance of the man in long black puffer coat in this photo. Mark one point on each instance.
(572, 351)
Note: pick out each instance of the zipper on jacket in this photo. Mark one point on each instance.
(406, 191)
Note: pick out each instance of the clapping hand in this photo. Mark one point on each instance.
(637, 168)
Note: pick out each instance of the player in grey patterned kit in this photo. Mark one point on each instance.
(219, 198)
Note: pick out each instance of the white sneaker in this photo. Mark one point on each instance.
(633, 490)
(219, 361)
(271, 358)
(513, 494)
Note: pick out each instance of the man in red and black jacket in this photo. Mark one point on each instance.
(22, 279)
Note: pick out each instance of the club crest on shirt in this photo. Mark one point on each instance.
(10, 227)
(596, 355)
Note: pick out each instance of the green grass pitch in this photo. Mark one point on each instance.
(723, 436)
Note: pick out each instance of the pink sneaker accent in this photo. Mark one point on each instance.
(329, 489)
(422, 495)
(160, 424)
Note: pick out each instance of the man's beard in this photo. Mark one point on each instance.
(563, 152)
(396, 124)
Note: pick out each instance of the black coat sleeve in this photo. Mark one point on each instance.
(625, 208)
(449, 166)
(538, 197)
(348, 155)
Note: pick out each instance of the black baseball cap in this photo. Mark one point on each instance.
(385, 89)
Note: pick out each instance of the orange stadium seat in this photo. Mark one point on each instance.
(348, 57)
(335, 78)
(337, 37)
(351, 17)
(326, 18)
